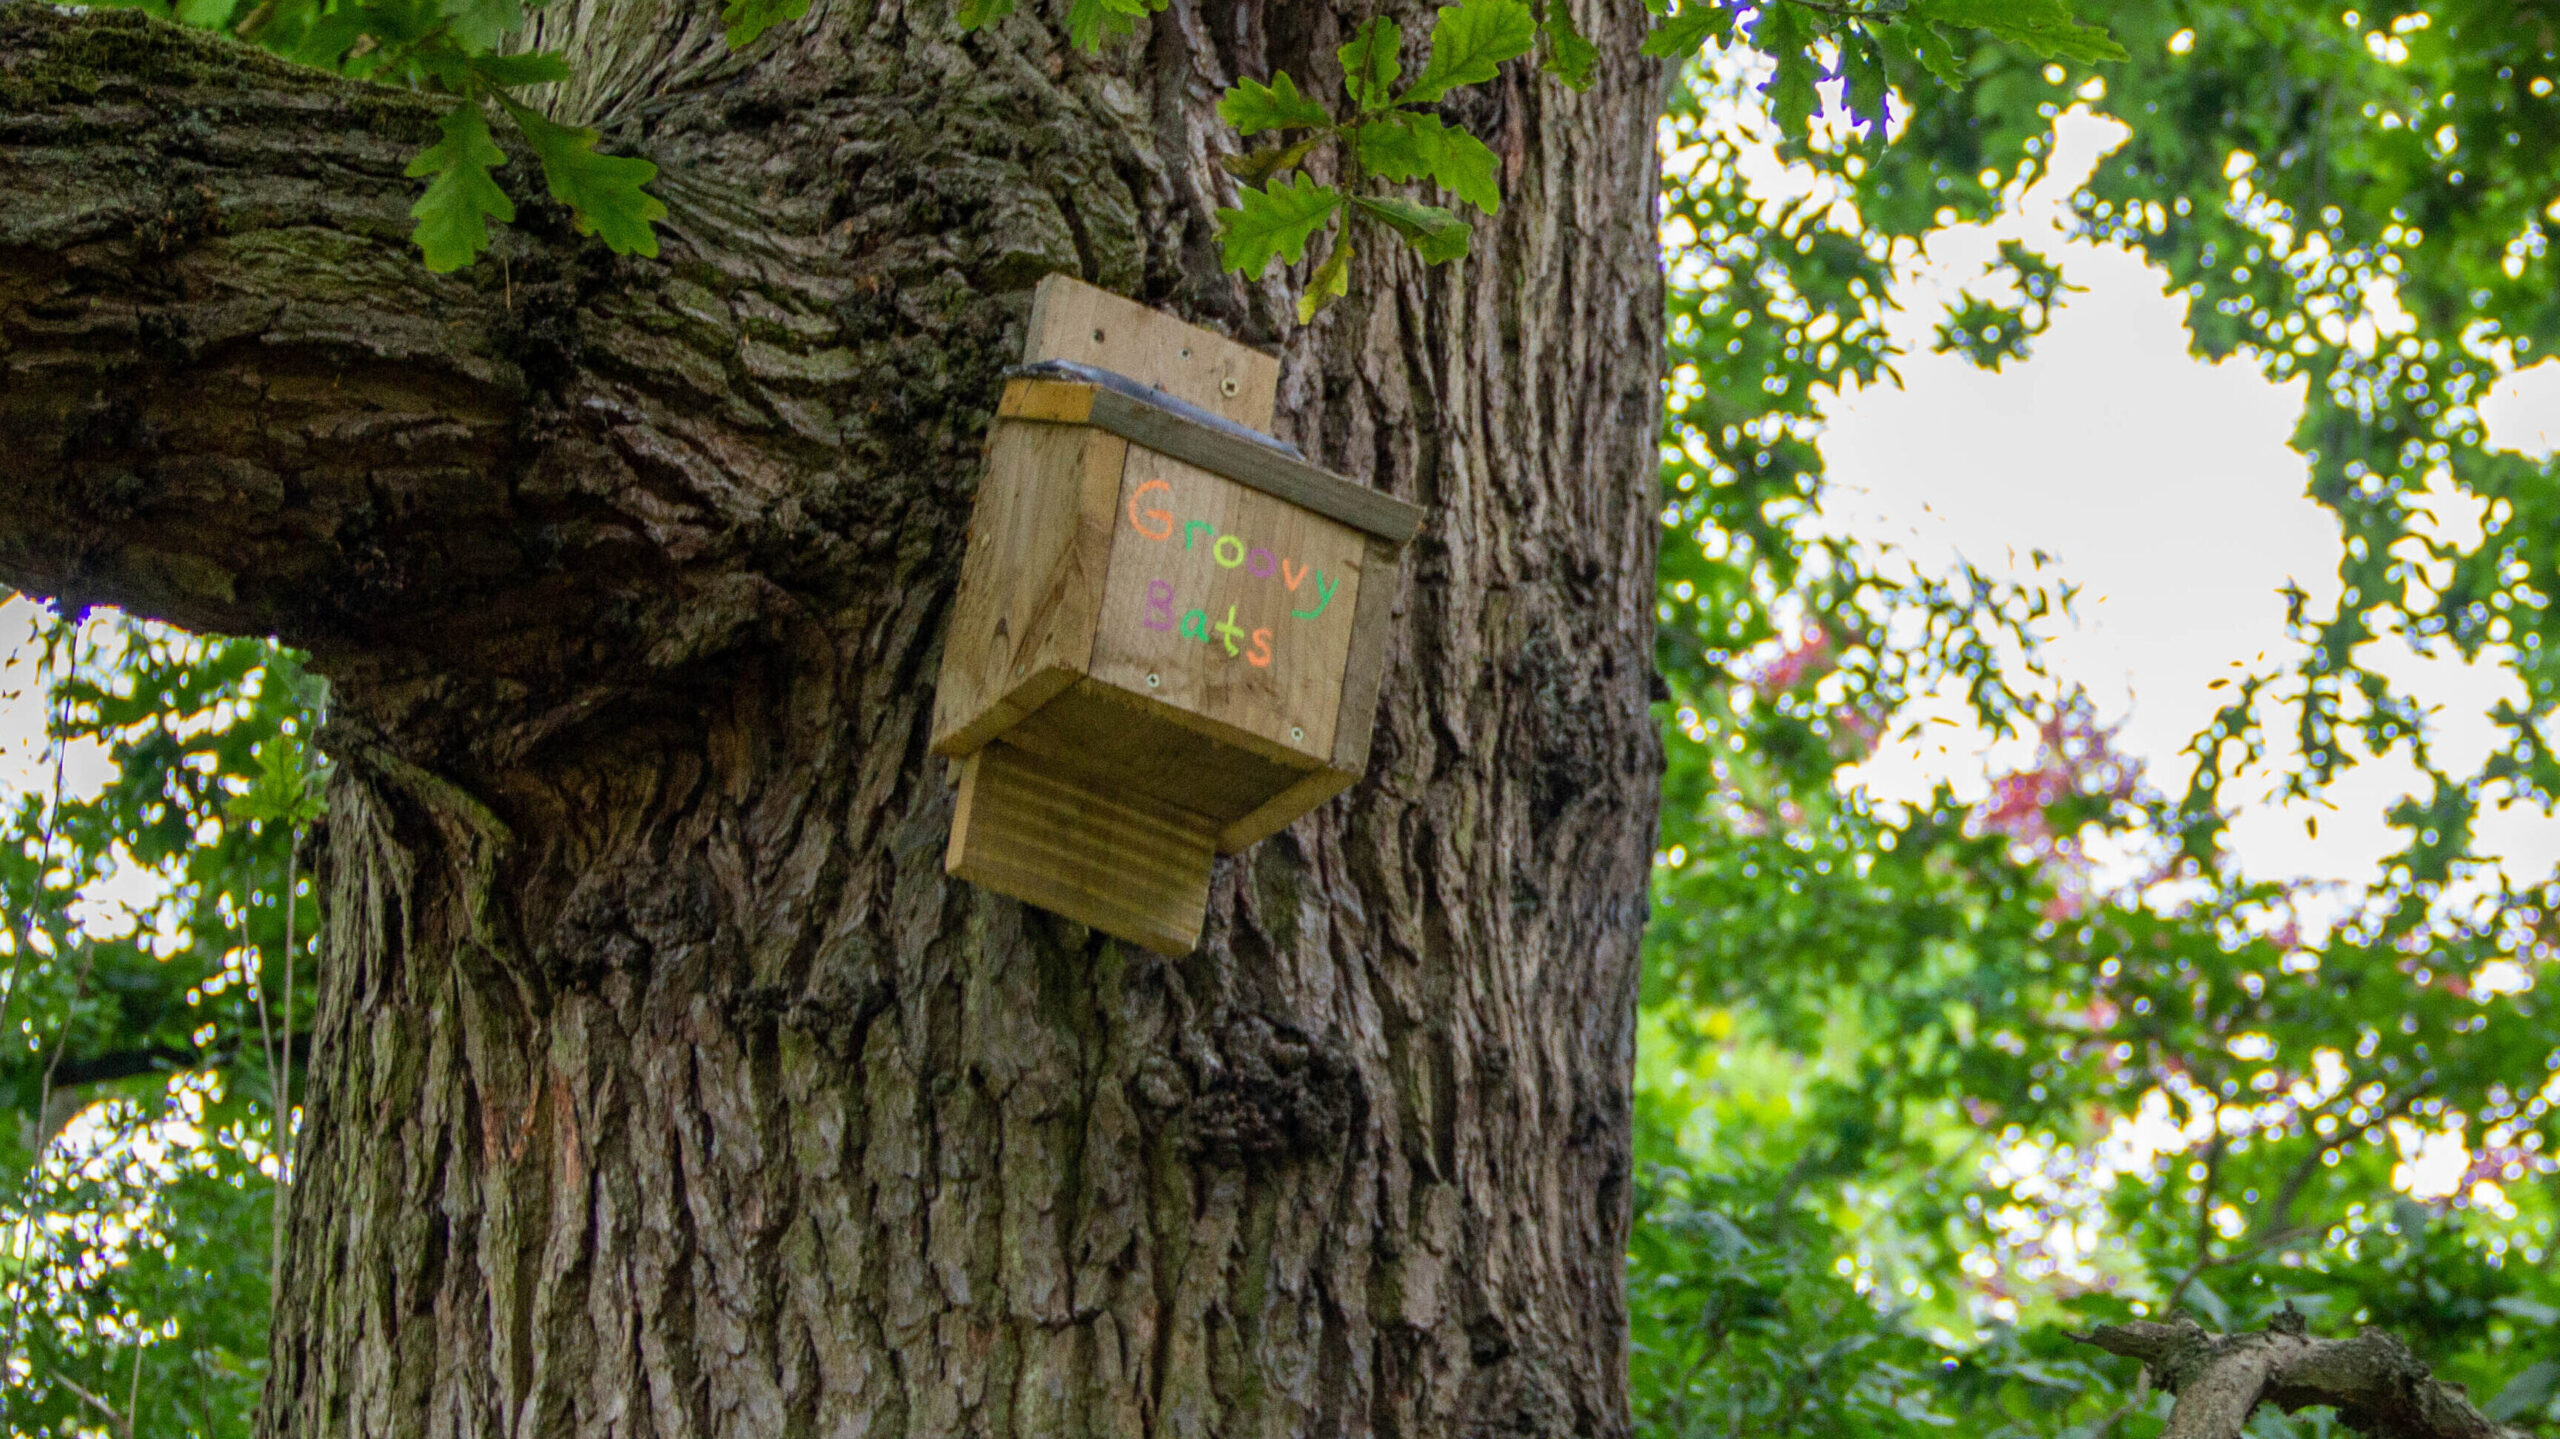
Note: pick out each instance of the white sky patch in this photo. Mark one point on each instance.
(26, 762)
(2165, 488)
(2522, 411)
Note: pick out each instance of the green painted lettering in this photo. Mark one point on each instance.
(1229, 632)
(1191, 531)
(1324, 597)
(1218, 552)
(1195, 625)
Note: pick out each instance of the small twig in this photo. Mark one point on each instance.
(24, 1229)
(2126, 1410)
(22, 927)
(1878, 10)
(2282, 1204)
(133, 1395)
(2204, 1216)
(258, 992)
(284, 1074)
(101, 1405)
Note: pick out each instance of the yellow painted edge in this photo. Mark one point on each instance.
(964, 777)
(1057, 402)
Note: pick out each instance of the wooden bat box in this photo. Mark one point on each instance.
(1170, 626)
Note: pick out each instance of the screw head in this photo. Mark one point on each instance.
(1154, 680)
(1229, 386)
(1298, 734)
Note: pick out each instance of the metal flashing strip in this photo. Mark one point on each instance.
(1060, 391)
(1077, 372)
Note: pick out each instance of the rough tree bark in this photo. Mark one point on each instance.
(664, 1085)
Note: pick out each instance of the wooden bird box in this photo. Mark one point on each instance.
(1170, 626)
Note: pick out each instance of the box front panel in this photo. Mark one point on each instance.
(1229, 603)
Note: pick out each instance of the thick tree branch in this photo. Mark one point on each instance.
(556, 483)
(2377, 1386)
(226, 384)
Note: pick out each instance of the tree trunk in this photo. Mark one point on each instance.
(664, 1083)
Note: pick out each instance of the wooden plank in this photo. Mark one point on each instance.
(1107, 739)
(1274, 472)
(1071, 320)
(1285, 808)
(1031, 584)
(1257, 466)
(1228, 604)
(1121, 863)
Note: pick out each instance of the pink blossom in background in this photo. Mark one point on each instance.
(1810, 658)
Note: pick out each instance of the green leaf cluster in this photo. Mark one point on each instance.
(1387, 133)
(1089, 22)
(454, 48)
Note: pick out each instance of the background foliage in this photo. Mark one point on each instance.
(1922, 1091)
(154, 988)
(1921, 1088)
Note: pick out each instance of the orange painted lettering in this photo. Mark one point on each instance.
(1291, 577)
(1261, 656)
(1163, 519)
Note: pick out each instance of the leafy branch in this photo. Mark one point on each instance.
(1391, 131)
(1388, 131)
(451, 48)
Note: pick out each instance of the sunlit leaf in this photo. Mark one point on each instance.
(1469, 42)
(1372, 60)
(1569, 54)
(1435, 234)
(1410, 145)
(2044, 28)
(746, 20)
(453, 215)
(1331, 281)
(1253, 107)
(1275, 223)
(602, 191)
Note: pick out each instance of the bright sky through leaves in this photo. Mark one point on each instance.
(2164, 487)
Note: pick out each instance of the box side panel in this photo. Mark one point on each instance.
(1229, 604)
(1364, 668)
(1031, 584)
(1071, 320)
(1122, 863)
